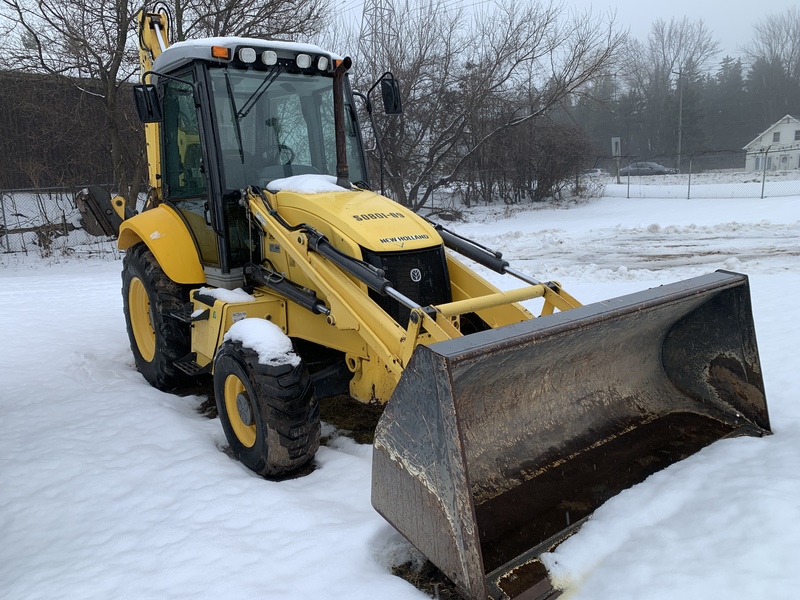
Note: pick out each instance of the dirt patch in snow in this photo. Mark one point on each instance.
(350, 417)
(428, 579)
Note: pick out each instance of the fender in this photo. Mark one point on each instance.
(167, 237)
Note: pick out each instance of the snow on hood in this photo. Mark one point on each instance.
(237, 296)
(270, 343)
(305, 184)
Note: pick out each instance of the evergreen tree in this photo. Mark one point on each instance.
(773, 92)
(729, 119)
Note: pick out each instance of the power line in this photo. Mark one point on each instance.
(349, 5)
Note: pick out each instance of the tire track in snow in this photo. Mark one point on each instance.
(757, 247)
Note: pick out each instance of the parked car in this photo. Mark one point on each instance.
(596, 172)
(646, 168)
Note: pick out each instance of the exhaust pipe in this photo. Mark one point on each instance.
(342, 170)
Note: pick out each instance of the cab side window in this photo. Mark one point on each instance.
(184, 177)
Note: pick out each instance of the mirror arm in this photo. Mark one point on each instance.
(368, 101)
(378, 146)
(377, 81)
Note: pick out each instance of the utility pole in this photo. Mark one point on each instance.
(680, 113)
(377, 36)
(377, 40)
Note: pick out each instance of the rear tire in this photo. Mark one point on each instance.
(270, 414)
(157, 340)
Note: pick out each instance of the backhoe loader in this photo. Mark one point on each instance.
(264, 259)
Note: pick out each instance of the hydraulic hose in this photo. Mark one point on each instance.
(481, 255)
(286, 288)
(372, 276)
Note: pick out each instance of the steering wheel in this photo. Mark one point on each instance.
(279, 154)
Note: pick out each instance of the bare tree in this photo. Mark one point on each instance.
(285, 19)
(535, 161)
(773, 77)
(651, 66)
(776, 39)
(528, 57)
(675, 52)
(49, 143)
(92, 44)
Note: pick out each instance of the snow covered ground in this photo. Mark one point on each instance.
(112, 489)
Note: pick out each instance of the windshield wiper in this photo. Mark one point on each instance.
(249, 104)
(272, 75)
(235, 117)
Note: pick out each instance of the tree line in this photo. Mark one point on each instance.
(504, 103)
(672, 96)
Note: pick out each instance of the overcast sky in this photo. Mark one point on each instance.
(731, 21)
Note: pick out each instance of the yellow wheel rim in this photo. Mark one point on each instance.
(244, 432)
(141, 321)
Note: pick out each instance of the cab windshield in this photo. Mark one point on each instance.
(276, 124)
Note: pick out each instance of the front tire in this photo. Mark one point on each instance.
(148, 298)
(269, 413)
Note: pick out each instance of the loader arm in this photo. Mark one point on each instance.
(351, 308)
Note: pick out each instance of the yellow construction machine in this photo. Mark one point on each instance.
(263, 258)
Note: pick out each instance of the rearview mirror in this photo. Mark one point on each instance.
(148, 104)
(390, 90)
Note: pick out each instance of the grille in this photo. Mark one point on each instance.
(428, 266)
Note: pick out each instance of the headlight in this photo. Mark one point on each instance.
(322, 63)
(247, 55)
(303, 61)
(269, 57)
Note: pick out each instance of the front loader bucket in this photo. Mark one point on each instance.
(496, 445)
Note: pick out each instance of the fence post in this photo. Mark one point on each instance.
(66, 230)
(689, 190)
(764, 172)
(5, 223)
(628, 194)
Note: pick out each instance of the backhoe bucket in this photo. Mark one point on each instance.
(495, 446)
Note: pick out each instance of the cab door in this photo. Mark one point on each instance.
(184, 180)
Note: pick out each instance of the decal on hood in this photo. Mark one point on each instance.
(405, 238)
(380, 215)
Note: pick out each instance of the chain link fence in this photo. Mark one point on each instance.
(770, 172)
(49, 222)
(730, 174)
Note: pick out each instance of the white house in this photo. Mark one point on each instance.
(777, 148)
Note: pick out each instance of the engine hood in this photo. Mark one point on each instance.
(368, 219)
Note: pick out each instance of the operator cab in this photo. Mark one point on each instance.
(240, 113)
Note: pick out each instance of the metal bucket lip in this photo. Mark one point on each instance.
(543, 589)
(463, 348)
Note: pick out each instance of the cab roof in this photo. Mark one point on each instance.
(182, 53)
